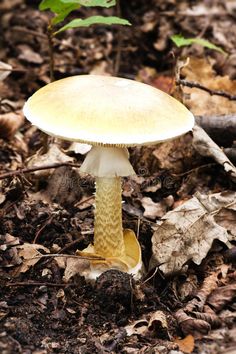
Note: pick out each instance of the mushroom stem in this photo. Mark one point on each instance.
(108, 231)
(108, 164)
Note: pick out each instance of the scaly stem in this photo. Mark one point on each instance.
(108, 232)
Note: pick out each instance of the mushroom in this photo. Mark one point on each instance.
(111, 114)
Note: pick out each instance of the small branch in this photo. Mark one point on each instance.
(119, 42)
(55, 255)
(196, 169)
(47, 222)
(36, 168)
(34, 283)
(193, 84)
(51, 52)
(14, 70)
(70, 245)
(27, 31)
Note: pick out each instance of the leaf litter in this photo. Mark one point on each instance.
(77, 315)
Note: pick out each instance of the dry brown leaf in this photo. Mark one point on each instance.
(54, 155)
(9, 241)
(222, 296)
(158, 323)
(76, 266)
(10, 123)
(73, 266)
(31, 254)
(5, 70)
(28, 55)
(189, 230)
(190, 325)
(227, 219)
(154, 324)
(175, 154)
(156, 210)
(201, 102)
(64, 186)
(85, 202)
(191, 318)
(186, 344)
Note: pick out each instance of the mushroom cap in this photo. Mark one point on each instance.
(107, 111)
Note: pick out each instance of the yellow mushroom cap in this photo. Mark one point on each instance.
(108, 111)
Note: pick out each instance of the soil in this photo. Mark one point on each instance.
(39, 311)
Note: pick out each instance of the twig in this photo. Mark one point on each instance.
(32, 33)
(34, 283)
(193, 84)
(196, 169)
(36, 168)
(51, 52)
(14, 70)
(47, 222)
(84, 201)
(70, 245)
(119, 42)
(55, 255)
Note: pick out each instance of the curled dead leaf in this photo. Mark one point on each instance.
(190, 325)
(222, 296)
(158, 324)
(137, 327)
(10, 123)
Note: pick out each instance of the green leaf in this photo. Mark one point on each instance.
(60, 8)
(111, 20)
(91, 3)
(180, 41)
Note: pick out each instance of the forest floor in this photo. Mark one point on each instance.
(185, 301)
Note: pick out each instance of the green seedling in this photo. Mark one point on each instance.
(61, 9)
(181, 41)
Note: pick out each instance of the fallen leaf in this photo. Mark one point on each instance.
(10, 123)
(186, 344)
(28, 55)
(222, 296)
(158, 323)
(137, 327)
(154, 210)
(64, 186)
(30, 253)
(187, 232)
(54, 155)
(5, 70)
(154, 325)
(201, 102)
(73, 266)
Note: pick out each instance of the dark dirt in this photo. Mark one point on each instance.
(39, 312)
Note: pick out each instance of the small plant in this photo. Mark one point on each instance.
(62, 8)
(181, 41)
